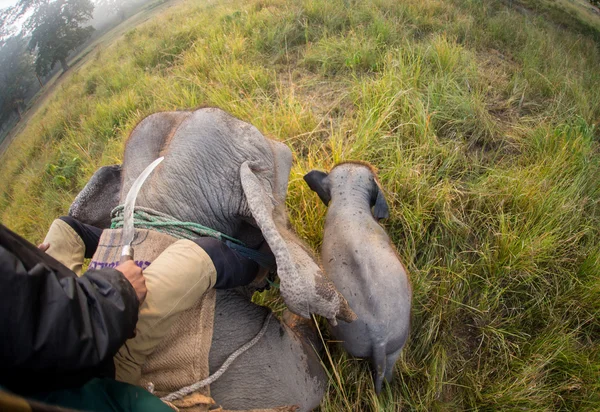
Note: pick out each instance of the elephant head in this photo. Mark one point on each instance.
(99, 196)
(223, 173)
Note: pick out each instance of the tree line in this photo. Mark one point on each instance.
(36, 36)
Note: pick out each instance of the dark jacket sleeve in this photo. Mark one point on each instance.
(49, 322)
(58, 326)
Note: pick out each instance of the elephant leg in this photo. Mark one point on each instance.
(392, 358)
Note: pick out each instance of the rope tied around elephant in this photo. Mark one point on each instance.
(146, 218)
(212, 378)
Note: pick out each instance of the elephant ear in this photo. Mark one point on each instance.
(381, 209)
(98, 198)
(303, 285)
(317, 181)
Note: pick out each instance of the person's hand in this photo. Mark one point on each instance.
(133, 273)
(43, 246)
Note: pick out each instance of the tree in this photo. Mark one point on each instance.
(16, 76)
(116, 7)
(56, 30)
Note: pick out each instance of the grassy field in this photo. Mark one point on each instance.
(482, 118)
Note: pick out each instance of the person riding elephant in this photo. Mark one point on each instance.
(223, 174)
(61, 331)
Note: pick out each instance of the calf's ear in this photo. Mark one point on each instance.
(319, 183)
(380, 206)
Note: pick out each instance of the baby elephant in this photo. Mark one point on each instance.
(360, 259)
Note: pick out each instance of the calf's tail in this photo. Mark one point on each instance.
(379, 365)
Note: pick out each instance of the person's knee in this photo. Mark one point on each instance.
(89, 234)
(232, 268)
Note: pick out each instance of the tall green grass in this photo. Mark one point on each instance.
(482, 120)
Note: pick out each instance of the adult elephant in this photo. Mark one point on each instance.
(223, 173)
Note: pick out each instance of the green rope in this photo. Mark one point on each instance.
(145, 218)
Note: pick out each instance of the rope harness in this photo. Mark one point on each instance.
(146, 218)
(193, 388)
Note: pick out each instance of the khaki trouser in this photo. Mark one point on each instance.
(65, 245)
(176, 280)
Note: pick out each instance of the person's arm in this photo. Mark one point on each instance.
(56, 322)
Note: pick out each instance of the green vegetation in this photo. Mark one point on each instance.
(56, 31)
(16, 76)
(482, 119)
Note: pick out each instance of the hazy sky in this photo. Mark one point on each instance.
(4, 3)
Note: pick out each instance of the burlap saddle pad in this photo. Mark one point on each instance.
(181, 358)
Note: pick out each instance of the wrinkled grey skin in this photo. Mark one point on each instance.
(207, 162)
(362, 262)
(99, 190)
(281, 369)
(223, 173)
